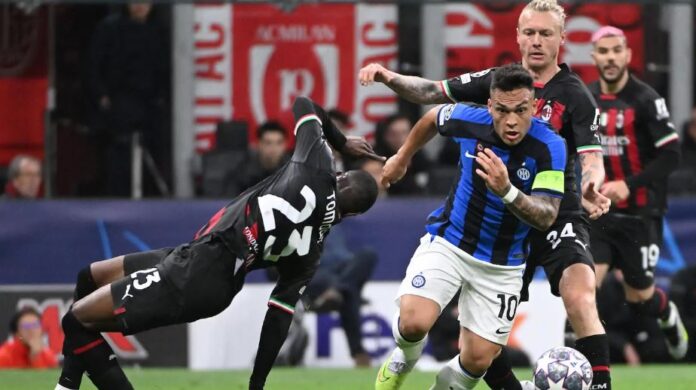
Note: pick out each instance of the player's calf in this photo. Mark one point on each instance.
(86, 349)
(500, 376)
(394, 370)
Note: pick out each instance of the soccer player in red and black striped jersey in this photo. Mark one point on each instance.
(281, 222)
(565, 102)
(641, 148)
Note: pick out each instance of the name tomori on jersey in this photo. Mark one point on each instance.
(329, 216)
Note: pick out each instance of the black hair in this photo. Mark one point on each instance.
(14, 321)
(359, 193)
(381, 146)
(510, 77)
(270, 126)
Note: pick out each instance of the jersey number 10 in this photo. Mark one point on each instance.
(297, 242)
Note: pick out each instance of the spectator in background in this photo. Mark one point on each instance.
(24, 178)
(683, 293)
(127, 77)
(338, 284)
(270, 154)
(374, 168)
(26, 347)
(689, 142)
(683, 180)
(389, 137)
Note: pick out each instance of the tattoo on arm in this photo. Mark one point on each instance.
(538, 211)
(418, 90)
(592, 168)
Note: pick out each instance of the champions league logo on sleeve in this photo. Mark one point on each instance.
(418, 281)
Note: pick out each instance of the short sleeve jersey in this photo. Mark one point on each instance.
(475, 219)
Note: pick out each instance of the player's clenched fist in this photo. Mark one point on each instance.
(493, 171)
(374, 72)
(394, 169)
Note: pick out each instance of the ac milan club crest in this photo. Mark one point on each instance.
(546, 112)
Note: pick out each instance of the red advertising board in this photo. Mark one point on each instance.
(279, 55)
(23, 82)
(481, 36)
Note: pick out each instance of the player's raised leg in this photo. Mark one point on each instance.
(432, 278)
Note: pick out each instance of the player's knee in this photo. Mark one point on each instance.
(413, 328)
(579, 303)
(412, 324)
(70, 322)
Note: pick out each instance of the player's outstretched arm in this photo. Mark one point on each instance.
(311, 121)
(538, 211)
(423, 131)
(412, 88)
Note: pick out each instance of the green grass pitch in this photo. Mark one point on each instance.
(650, 377)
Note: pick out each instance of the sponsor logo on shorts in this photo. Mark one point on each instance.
(418, 281)
(502, 331)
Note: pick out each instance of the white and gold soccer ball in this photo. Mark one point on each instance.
(562, 368)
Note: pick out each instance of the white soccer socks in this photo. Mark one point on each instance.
(454, 377)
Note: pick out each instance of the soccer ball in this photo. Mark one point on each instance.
(562, 368)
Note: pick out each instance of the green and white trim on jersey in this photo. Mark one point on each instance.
(444, 86)
(589, 149)
(666, 139)
(306, 118)
(281, 305)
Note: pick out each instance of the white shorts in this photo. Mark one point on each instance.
(489, 293)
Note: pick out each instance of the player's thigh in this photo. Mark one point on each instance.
(639, 244)
(108, 271)
(187, 285)
(143, 260)
(204, 275)
(143, 300)
(566, 243)
(488, 301)
(434, 273)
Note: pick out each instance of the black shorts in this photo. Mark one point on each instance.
(175, 285)
(630, 243)
(564, 244)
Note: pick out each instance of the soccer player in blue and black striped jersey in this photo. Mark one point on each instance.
(511, 179)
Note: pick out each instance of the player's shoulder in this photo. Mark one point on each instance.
(543, 132)
(468, 77)
(572, 88)
(641, 90)
(466, 112)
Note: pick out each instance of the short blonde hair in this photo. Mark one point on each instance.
(547, 6)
